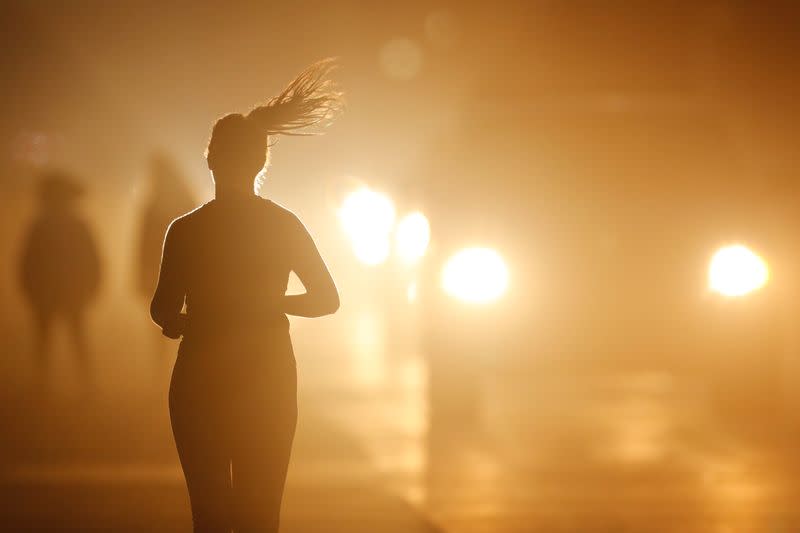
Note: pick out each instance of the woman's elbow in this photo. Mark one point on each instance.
(332, 303)
(159, 311)
(155, 314)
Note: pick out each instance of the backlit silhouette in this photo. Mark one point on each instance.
(233, 392)
(60, 267)
(168, 197)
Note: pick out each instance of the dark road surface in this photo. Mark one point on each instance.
(551, 449)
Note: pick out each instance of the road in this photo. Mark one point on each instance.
(553, 447)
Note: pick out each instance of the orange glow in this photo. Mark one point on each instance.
(401, 59)
(412, 237)
(411, 292)
(475, 275)
(367, 218)
(736, 270)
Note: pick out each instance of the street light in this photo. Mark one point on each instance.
(736, 270)
(412, 236)
(367, 218)
(475, 275)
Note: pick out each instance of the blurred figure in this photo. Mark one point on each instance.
(60, 267)
(233, 400)
(168, 197)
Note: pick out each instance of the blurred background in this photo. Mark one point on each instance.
(564, 234)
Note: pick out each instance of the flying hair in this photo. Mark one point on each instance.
(239, 147)
(312, 99)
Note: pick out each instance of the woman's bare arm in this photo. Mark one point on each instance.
(321, 296)
(165, 309)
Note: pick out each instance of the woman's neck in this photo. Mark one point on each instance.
(232, 193)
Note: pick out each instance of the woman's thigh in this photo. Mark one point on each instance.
(261, 448)
(198, 426)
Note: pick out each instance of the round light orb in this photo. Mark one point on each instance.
(412, 236)
(367, 218)
(736, 270)
(441, 28)
(401, 59)
(475, 275)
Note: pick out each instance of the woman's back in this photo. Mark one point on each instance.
(232, 258)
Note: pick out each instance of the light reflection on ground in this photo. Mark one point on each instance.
(546, 449)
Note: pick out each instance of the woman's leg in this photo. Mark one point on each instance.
(202, 447)
(259, 476)
(261, 447)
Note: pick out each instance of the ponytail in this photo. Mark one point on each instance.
(239, 145)
(312, 99)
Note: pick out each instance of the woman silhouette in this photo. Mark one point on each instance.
(232, 398)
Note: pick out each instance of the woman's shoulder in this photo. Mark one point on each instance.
(187, 219)
(281, 213)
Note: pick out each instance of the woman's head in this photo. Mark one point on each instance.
(238, 150)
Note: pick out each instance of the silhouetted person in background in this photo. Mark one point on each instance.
(168, 197)
(60, 267)
(233, 401)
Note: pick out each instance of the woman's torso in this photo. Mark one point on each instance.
(236, 260)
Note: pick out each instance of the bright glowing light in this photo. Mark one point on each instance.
(412, 237)
(367, 217)
(411, 292)
(476, 275)
(736, 270)
(372, 251)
